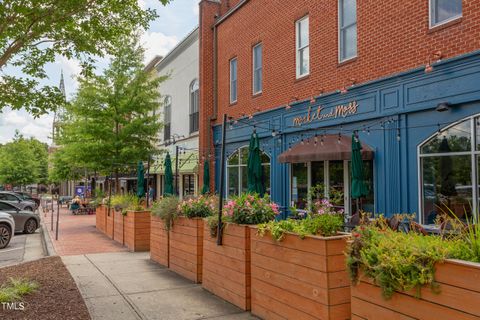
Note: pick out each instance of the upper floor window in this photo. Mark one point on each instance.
(233, 80)
(302, 47)
(443, 11)
(167, 118)
(257, 68)
(194, 106)
(347, 17)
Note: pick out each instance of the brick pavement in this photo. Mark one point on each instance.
(77, 234)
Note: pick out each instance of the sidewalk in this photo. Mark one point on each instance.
(22, 248)
(128, 286)
(77, 234)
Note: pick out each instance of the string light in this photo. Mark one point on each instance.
(339, 138)
(398, 135)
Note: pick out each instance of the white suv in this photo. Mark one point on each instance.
(7, 227)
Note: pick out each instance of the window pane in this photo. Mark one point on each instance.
(303, 33)
(446, 9)
(477, 124)
(244, 177)
(257, 80)
(336, 182)
(367, 204)
(318, 179)
(453, 139)
(266, 178)
(265, 158)
(233, 80)
(257, 57)
(232, 181)
(299, 185)
(304, 60)
(447, 187)
(349, 12)
(244, 155)
(349, 42)
(233, 160)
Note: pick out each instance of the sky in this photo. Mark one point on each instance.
(175, 21)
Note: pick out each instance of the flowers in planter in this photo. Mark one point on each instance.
(246, 208)
(126, 202)
(166, 209)
(200, 207)
(398, 261)
(323, 220)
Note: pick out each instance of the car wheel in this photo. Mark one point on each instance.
(30, 226)
(5, 236)
(28, 209)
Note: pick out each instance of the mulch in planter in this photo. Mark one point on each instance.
(57, 296)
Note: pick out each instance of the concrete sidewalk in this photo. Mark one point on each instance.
(124, 285)
(22, 248)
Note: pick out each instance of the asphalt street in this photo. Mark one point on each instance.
(23, 247)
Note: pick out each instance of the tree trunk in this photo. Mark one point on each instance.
(117, 182)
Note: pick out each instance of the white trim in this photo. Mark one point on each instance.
(260, 44)
(298, 48)
(431, 24)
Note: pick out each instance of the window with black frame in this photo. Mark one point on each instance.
(194, 106)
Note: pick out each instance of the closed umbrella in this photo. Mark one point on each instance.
(168, 190)
(359, 188)
(254, 166)
(140, 180)
(206, 178)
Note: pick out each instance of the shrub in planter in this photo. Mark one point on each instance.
(163, 213)
(186, 236)
(410, 274)
(298, 267)
(226, 268)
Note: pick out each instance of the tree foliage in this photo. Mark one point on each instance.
(35, 32)
(111, 124)
(23, 161)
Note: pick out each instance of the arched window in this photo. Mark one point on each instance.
(449, 171)
(194, 106)
(237, 171)
(167, 118)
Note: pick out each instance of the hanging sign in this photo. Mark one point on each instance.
(340, 111)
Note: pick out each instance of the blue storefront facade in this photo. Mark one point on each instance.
(422, 128)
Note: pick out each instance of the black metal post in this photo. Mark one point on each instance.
(176, 171)
(148, 182)
(58, 218)
(51, 222)
(222, 182)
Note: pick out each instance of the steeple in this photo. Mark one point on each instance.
(59, 112)
(62, 85)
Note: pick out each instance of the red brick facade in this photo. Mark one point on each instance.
(393, 36)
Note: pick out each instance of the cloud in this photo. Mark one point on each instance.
(12, 120)
(196, 8)
(157, 43)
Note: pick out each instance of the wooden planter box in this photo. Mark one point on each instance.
(299, 279)
(186, 248)
(158, 241)
(118, 226)
(137, 230)
(459, 297)
(109, 223)
(100, 218)
(226, 268)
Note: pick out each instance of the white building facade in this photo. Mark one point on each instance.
(179, 113)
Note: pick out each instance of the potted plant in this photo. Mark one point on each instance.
(226, 267)
(298, 267)
(163, 213)
(136, 226)
(411, 275)
(186, 236)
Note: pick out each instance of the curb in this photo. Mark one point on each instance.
(47, 242)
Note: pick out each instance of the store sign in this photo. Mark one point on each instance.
(341, 111)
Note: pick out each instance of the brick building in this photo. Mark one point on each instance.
(309, 74)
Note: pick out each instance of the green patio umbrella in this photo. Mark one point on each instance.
(206, 178)
(140, 180)
(254, 166)
(168, 189)
(359, 188)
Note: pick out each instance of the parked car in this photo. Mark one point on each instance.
(17, 201)
(29, 197)
(7, 227)
(25, 221)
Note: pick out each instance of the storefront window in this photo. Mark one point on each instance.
(237, 172)
(446, 173)
(299, 185)
(188, 185)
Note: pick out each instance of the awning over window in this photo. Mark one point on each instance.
(188, 164)
(332, 149)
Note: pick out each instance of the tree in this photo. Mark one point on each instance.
(35, 32)
(23, 161)
(111, 123)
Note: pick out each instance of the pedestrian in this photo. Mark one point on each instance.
(151, 194)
